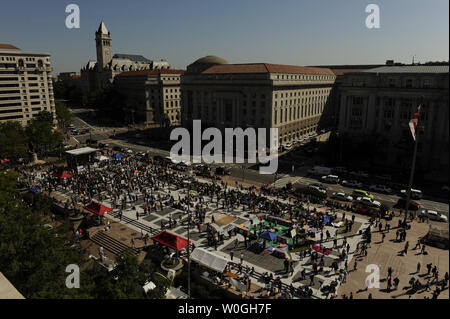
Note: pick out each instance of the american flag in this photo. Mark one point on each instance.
(413, 123)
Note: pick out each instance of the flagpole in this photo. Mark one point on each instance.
(411, 176)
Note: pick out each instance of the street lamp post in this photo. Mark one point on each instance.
(189, 245)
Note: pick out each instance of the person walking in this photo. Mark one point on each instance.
(231, 255)
(389, 284)
(355, 266)
(242, 258)
(396, 282)
(383, 235)
(418, 267)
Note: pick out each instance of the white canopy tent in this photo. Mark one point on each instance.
(102, 158)
(209, 259)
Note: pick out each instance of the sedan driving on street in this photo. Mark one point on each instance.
(367, 201)
(318, 187)
(342, 196)
(433, 215)
(381, 189)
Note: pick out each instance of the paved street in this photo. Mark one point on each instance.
(104, 134)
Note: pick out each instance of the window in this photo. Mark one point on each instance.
(357, 100)
(391, 82)
(426, 83)
(356, 111)
(409, 83)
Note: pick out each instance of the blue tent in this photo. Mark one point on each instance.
(117, 156)
(326, 220)
(35, 190)
(268, 235)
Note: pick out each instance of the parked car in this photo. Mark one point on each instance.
(367, 201)
(361, 193)
(433, 215)
(352, 183)
(415, 193)
(222, 171)
(381, 189)
(401, 204)
(332, 179)
(342, 196)
(318, 187)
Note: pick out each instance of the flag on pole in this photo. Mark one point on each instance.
(413, 123)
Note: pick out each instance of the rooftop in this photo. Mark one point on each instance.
(265, 68)
(410, 69)
(150, 72)
(83, 150)
(132, 57)
(6, 46)
(102, 28)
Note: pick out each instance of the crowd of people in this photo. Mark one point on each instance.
(134, 181)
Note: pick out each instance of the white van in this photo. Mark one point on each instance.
(332, 179)
(415, 193)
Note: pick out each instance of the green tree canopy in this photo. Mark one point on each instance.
(63, 115)
(41, 136)
(12, 140)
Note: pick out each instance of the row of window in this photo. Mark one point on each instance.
(395, 82)
(290, 136)
(303, 93)
(304, 77)
(314, 99)
(297, 113)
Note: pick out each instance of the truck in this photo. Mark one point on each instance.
(320, 171)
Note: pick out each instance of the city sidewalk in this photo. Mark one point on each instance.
(386, 255)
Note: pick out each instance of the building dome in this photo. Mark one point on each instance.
(204, 63)
(211, 59)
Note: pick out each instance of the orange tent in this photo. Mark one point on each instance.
(171, 240)
(62, 174)
(97, 208)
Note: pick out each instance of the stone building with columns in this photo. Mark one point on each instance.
(157, 91)
(100, 74)
(258, 95)
(381, 101)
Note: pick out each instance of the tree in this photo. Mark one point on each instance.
(133, 110)
(63, 115)
(41, 136)
(31, 257)
(12, 141)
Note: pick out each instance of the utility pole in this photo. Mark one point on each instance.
(411, 176)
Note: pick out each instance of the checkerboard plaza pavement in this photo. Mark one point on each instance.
(260, 267)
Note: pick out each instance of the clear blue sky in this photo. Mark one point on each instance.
(308, 32)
